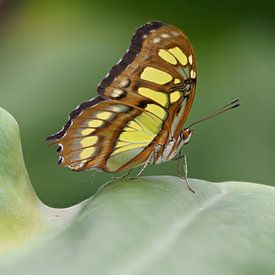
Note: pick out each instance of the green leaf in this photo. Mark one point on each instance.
(18, 203)
(148, 226)
(156, 226)
(24, 220)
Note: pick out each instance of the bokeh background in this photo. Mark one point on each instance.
(54, 53)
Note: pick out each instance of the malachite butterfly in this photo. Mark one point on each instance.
(142, 105)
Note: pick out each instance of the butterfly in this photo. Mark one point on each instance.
(142, 105)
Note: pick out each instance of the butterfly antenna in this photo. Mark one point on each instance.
(233, 104)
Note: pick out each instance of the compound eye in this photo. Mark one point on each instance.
(186, 135)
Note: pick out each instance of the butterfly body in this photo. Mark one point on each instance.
(143, 103)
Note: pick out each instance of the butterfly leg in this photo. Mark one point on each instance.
(141, 170)
(123, 176)
(144, 165)
(185, 170)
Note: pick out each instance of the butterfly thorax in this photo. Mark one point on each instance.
(173, 146)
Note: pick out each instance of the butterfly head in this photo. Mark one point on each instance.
(175, 145)
(185, 135)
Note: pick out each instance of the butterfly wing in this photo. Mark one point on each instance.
(144, 100)
(106, 134)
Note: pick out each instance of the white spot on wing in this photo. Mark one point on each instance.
(193, 74)
(190, 59)
(175, 33)
(117, 92)
(156, 40)
(124, 83)
(165, 35)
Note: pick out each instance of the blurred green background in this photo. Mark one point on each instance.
(54, 53)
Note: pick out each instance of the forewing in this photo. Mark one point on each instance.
(159, 68)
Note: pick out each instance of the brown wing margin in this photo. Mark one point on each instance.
(135, 47)
(74, 114)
